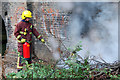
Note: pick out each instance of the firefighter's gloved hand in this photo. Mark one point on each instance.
(23, 40)
(42, 40)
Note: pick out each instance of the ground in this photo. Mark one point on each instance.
(10, 66)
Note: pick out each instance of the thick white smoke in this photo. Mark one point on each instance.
(96, 25)
(54, 44)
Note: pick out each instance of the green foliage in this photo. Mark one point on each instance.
(77, 69)
(76, 48)
(39, 70)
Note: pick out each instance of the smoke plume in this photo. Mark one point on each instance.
(96, 25)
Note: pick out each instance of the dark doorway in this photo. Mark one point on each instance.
(3, 35)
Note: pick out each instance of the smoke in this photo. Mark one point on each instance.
(54, 44)
(65, 6)
(95, 24)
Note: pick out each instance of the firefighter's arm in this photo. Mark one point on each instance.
(18, 35)
(35, 32)
(16, 32)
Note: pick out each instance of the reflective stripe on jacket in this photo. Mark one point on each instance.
(24, 30)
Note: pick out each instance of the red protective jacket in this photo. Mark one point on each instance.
(24, 30)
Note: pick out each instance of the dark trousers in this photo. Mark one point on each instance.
(19, 60)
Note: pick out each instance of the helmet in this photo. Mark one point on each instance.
(26, 13)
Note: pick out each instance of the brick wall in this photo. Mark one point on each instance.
(13, 10)
(50, 21)
(47, 20)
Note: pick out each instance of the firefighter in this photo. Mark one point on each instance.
(23, 32)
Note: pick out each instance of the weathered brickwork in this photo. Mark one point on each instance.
(46, 18)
